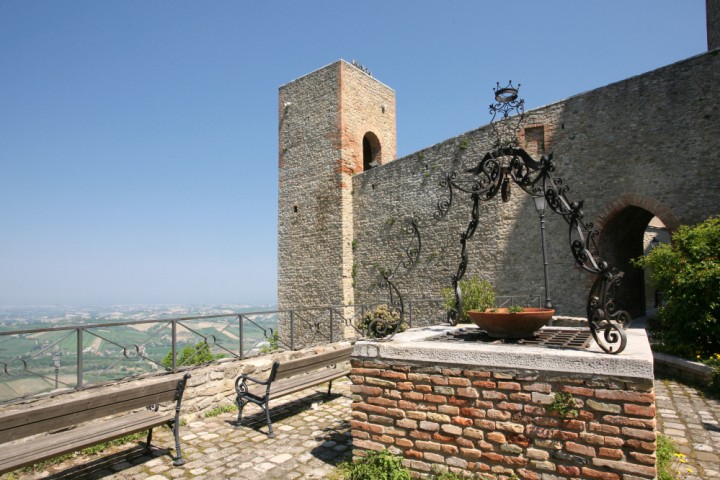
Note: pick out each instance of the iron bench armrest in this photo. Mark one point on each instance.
(294, 375)
(242, 379)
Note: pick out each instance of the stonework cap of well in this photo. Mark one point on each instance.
(636, 361)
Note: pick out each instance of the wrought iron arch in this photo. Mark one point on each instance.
(508, 164)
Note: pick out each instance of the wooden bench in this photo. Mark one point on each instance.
(289, 377)
(69, 421)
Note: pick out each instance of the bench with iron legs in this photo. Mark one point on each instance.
(290, 377)
(69, 425)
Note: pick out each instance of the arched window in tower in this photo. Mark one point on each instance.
(371, 151)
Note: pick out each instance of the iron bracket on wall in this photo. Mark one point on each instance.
(383, 326)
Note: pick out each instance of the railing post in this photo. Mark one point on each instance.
(331, 325)
(79, 358)
(174, 346)
(410, 312)
(292, 328)
(240, 336)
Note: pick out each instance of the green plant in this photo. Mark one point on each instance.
(448, 476)
(353, 273)
(380, 322)
(713, 362)
(516, 309)
(191, 355)
(376, 465)
(563, 404)
(214, 412)
(272, 343)
(353, 245)
(477, 294)
(439, 473)
(687, 273)
(665, 451)
(463, 144)
(671, 465)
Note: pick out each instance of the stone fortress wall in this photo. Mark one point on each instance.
(642, 147)
(712, 7)
(646, 146)
(323, 119)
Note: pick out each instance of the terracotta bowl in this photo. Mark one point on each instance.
(499, 323)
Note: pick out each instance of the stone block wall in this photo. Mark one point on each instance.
(641, 147)
(213, 385)
(323, 118)
(648, 145)
(499, 422)
(712, 8)
(309, 217)
(210, 386)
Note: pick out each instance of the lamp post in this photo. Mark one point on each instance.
(540, 207)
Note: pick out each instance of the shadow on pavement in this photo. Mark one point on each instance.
(109, 464)
(336, 446)
(257, 422)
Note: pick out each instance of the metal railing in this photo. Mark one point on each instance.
(41, 360)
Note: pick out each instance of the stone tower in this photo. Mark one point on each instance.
(334, 123)
(712, 13)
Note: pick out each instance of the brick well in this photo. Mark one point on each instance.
(485, 408)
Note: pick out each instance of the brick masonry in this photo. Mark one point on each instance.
(499, 422)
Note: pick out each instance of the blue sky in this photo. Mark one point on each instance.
(138, 139)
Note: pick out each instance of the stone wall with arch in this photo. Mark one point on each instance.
(649, 143)
(653, 206)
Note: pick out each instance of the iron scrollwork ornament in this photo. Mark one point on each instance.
(388, 319)
(508, 164)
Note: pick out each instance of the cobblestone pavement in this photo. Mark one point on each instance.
(312, 437)
(691, 420)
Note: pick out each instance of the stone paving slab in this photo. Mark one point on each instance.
(312, 437)
(691, 420)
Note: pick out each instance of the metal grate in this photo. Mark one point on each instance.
(577, 339)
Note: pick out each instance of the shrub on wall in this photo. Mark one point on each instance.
(687, 274)
(380, 322)
(477, 294)
(191, 355)
(273, 343)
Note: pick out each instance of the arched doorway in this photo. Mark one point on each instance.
(655, 234)
(622, 239)
(371, 151)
